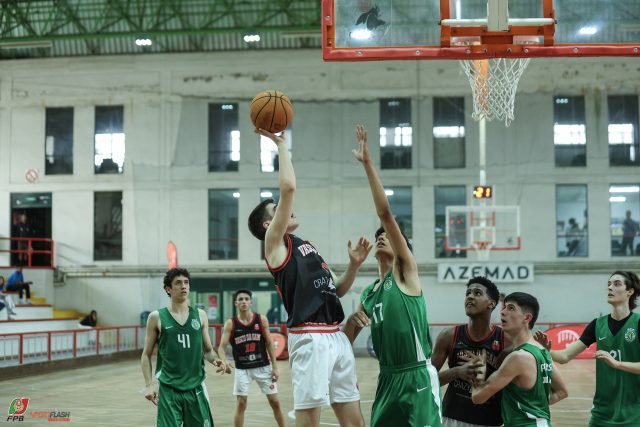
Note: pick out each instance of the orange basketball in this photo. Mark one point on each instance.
(271, 110)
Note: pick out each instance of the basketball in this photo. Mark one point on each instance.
(271, 110)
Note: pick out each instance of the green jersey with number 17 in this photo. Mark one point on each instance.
(180, 357)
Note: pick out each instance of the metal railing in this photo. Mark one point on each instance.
(29, 251)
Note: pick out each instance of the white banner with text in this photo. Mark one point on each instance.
(496, 272)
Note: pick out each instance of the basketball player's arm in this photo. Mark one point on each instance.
(513, 366)
(266, 333)
(210, 353)
(631, 367)
(559, 388)
(467, 371)
(226, 336)
(357, 255)
(400, 248)
(355, 323)
(151, 389)
(287, 183)
(560, 356)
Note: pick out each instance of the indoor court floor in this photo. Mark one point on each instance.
(111, 395)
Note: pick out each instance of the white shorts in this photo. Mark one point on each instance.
(448, 422)
(323, 368)
(261, 375)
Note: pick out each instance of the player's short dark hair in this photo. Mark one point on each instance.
(492, 289)
(381, 230)
(172, 274)
(257, 217)
(631, 281)
(241, 291)
(527, 303)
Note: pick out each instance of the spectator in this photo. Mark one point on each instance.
(629, 231)
(16, 283)
(6, 301)
(573, 237)
(23, 231)
(90, 320)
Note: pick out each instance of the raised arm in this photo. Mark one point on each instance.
(210, 353)
(151, 389)
(266, 333)
(287, 183)
(357, 255)
(383, 209)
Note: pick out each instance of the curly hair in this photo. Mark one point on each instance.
(492, 289)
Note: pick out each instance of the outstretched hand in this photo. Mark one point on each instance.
(362, 152)
(543, 339)
(277, 139)
(359, 252)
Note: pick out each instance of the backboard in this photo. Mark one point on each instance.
(357, 30)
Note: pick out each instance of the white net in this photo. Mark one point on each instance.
(494, 83)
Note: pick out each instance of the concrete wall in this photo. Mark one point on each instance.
(166, 179)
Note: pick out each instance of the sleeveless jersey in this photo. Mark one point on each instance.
(399, 325)
(457, 402)
(617, 398)
(305, 285)
(248, 345)
(524, 408)
(180, 357)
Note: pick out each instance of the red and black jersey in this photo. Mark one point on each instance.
(457, 402)
(306, 286)
(248, 344)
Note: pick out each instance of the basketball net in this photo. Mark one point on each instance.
(494, 83)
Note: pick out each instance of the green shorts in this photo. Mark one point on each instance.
(407, 396)
(189, 408)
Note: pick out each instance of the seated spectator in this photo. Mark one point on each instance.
(91, 320)
(6, 301)
(16, 283)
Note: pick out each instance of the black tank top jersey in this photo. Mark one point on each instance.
(457, 402)
(248, 344)
(305, 285)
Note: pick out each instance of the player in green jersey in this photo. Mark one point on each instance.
(616, 401)
(181, 333)
(408, 392)
(527, 379)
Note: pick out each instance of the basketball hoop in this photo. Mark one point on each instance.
(482, 248)
(494, 83)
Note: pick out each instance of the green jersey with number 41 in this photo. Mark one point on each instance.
(180, 357)
(399, 326)
(617, 399)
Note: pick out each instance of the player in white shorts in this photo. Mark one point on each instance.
(251, 342)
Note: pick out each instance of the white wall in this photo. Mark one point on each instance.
(166, 179)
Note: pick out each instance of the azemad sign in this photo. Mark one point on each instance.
(498, 273)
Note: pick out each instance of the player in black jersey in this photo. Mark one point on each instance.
(321, 357)
(250, 340)
(456, 344)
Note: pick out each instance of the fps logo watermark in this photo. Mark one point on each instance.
(18, 408)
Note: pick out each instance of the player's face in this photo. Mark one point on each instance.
(617, 292)
(243, 302)
(476, 300)
(179, 288)
(512, 317)
(383, 247)
(293, 221)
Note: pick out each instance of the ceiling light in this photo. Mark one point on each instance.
(251, 38)
(236, 195)
(389, 192)
(266, 194)
(144, 42)
(587, 31)
(361, 34)
(624, 189)
(617, 199)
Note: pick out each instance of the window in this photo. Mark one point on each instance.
(269, 152)
(268, 193)
(58, 141)
(623, 130)
(401, 206)
(107, 226)
(455, 195)
(571, 221)
(448, 133)
(109, 139)
(569, 131)
(395, 133)
(223, 224)
(624, 201)
(224, 137)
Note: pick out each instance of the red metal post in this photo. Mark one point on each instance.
(75, 344)
(117, 339)
(136, 335)
(97, 341)
(48, 334)
(21, 349)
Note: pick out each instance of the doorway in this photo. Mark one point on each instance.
(31, 217)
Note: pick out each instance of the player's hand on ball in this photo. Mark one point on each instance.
(362, 152)
(151, 393)
(359, 319)
(543, 339)
(278, 139)
(358, 253)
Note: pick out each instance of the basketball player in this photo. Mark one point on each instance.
(250, 340)
(617, 401)
(408, 393)
(322, 361)
(477, 337)
(181, 333)
(527, 379)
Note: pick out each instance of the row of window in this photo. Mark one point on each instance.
(396, 133)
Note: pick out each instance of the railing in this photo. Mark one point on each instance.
(30, 251)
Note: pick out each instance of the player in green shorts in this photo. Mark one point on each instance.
(408, 392)
(527, 379)
(617, 400)
(181, 333)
